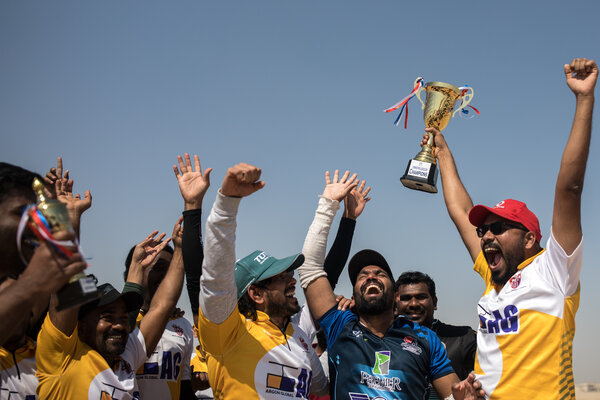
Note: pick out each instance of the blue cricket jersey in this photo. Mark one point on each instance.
(363, 366)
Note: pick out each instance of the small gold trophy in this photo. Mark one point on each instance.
(80, 289)
(421, 172)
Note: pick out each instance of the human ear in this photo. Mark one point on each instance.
(256, 294)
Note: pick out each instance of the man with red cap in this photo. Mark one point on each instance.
(527, 312)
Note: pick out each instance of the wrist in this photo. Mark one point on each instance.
(192, 205)
(580, 97)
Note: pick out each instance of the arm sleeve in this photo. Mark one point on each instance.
(561, 269)
(193, 254)
(439, 364)
(316, 242)
(218, 293)
(333, 321)
(340, 250)
(54, 349)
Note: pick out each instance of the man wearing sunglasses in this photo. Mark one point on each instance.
(527, 312)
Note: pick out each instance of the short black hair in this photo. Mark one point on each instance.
(167, 248)
(413, 277)
(16, 180)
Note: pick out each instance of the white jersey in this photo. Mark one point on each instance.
(161, 374)
(526, 327)
(17, 373)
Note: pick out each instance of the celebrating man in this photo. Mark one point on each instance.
(527, 312)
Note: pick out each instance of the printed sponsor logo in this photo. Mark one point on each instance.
(382, 362)
(357, 333)
(303, 343)
(262, 257)
(410, 344)
(362, 396)
(178, 329)
(290, 382)
(389, 384)
(515, 281)
(505, 321)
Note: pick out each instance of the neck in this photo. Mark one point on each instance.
(113, 361)
(15, 344)
(378, 324)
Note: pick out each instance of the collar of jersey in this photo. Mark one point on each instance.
(529, 260)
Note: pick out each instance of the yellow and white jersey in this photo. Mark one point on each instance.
(17, 373)
(69, 369)
(198, 361)
(526, 327)
(256, 360)
(161, 374)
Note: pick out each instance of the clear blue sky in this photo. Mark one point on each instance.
(120, 88)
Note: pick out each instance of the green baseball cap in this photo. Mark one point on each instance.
(259, 266)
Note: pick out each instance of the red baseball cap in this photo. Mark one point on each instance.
(510, 209)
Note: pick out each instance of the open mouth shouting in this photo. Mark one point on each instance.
(372, 288)
(493, 256)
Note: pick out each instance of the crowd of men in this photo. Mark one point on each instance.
(255, 339)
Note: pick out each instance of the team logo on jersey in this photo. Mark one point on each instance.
(382, 362)
(303, 343)
(362, 396)
(411, 345)
(504, 321)
(357, 333)
(515, 281)
(178, 329)
(290, 382)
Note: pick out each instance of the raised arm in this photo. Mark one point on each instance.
(218, 293)
(60, 187)
(165, 299)
(458, 202)
(317, 290)
(193, 185)
(581, 76)
(354, 204)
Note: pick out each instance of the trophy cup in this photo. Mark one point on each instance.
(421, 172)
(80, 289)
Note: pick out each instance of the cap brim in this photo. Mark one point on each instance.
(285, 264)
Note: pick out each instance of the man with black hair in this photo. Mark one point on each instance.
(92, 351)
(257, 342)
(25, 288)
(371, 354)
(416, 299)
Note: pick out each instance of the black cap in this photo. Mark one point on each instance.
(365, 258)
(133, 300)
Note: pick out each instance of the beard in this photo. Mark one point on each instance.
(373, 306)
(281, 307)
(512, 261)
(113, 348)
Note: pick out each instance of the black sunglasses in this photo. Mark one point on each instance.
(497, 228)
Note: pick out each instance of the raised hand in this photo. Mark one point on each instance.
(147, 251)
(242, 180)
(193, 184)
(338, 188)
(355, 201)
(581, 76)
(177, 235)
(60, 187)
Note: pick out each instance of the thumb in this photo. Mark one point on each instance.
(258, 185)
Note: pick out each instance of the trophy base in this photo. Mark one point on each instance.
(77, 293)
(420, 175)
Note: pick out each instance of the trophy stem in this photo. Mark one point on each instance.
(426, 154)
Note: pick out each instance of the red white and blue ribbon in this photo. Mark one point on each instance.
(403, 104)
(37, 223)
(465, 111)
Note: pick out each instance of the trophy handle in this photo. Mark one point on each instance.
(418, 94)
(466, 99)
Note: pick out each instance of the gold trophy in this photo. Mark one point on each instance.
(81, 288)
(421, 172)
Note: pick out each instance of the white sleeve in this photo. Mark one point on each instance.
(320, 382)
(306, 323)
(135, 349)
(315, 244)
(218, 292)
(562, 269)
(186, 369)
